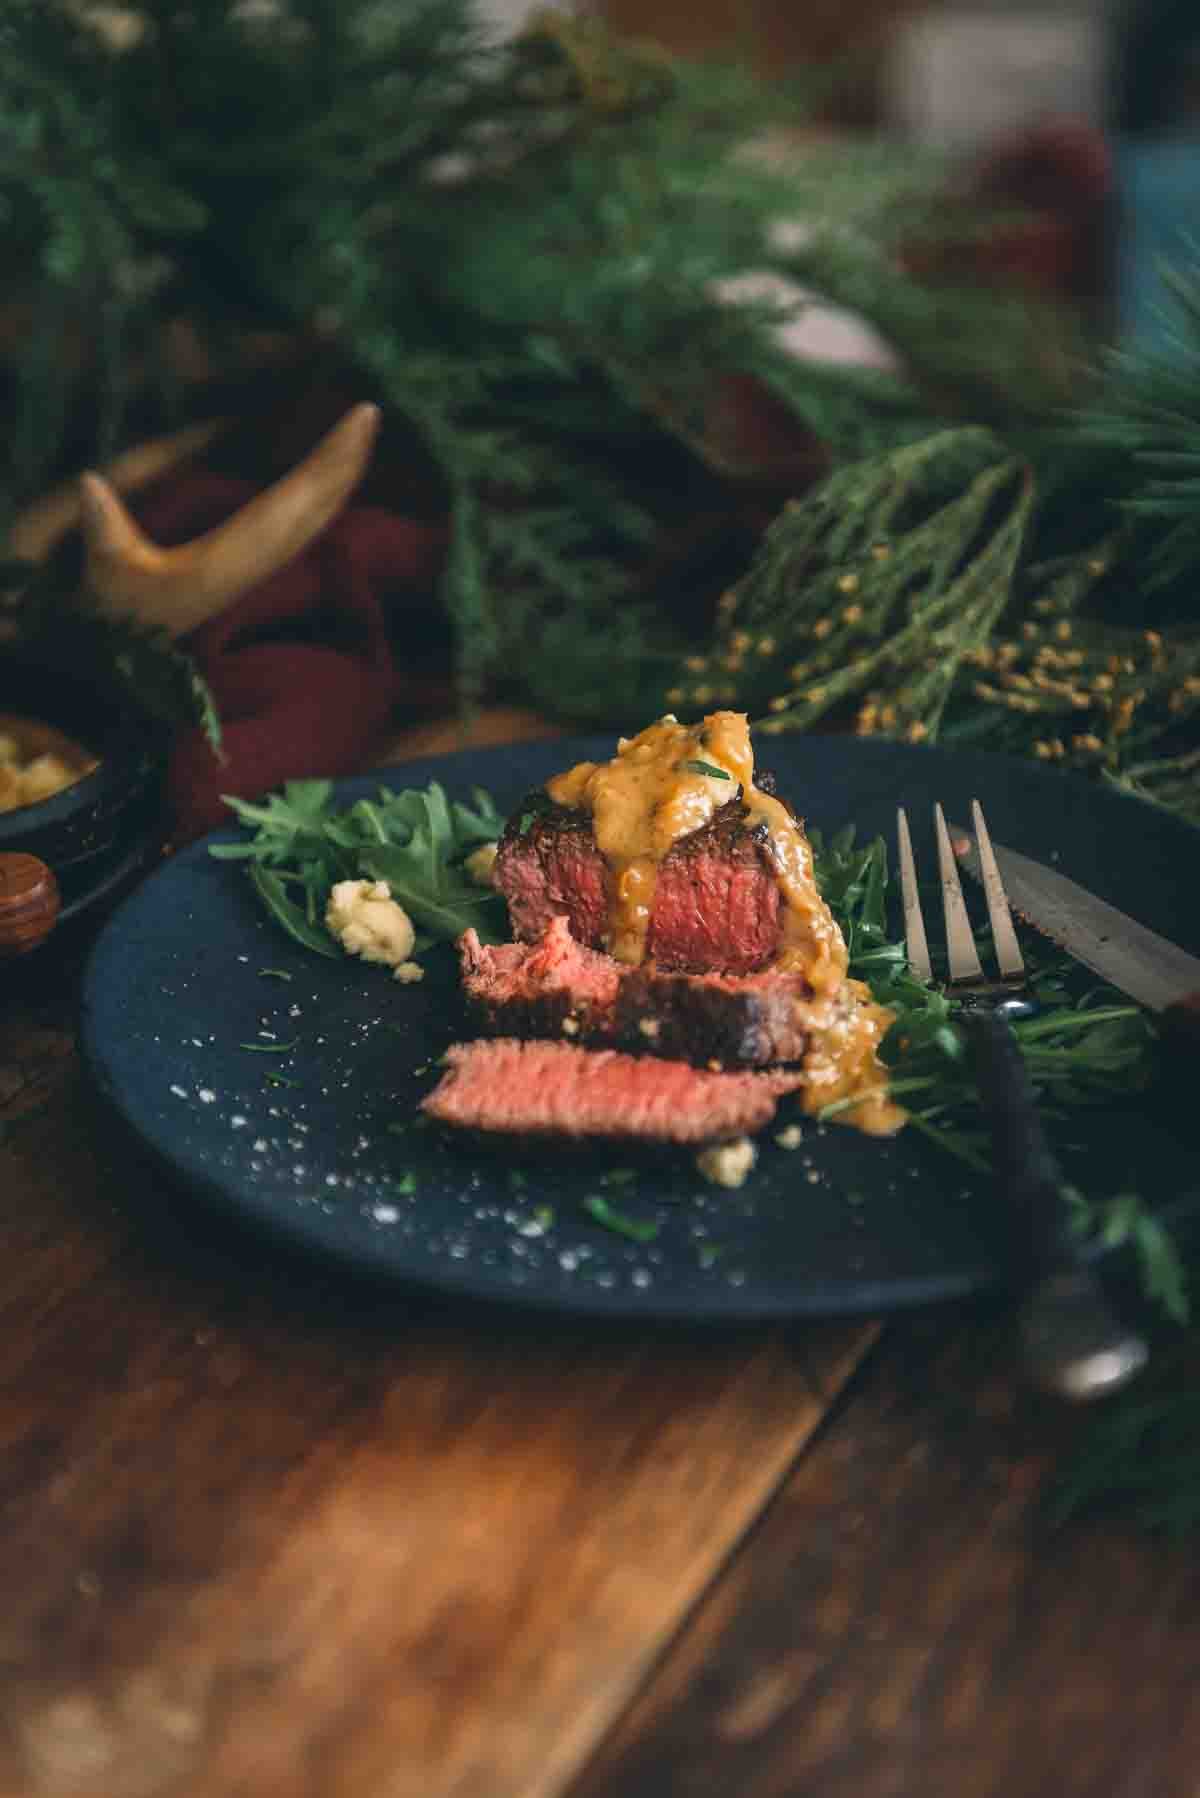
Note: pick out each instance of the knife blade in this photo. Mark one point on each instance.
(1150, 968)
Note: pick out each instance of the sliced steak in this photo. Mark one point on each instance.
(544, 1089)
(716, 902)
(556, 987)
(548, 866)
(551, 988)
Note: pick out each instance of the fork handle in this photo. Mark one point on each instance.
(1027, 1171)
(1073, 1343)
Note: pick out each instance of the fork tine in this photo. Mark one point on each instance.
(914, 923)
(960, 942)
(1004, 937)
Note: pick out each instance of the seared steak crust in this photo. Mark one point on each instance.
(709, 1019)
(548, 866)
(558, 988)
(553, 988)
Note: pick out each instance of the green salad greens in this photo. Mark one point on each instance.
(417, 840)
(1078, 1050)
(1081, 1048)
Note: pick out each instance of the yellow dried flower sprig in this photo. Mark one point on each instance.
(846, 614)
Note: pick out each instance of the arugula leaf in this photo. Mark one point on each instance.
(1078, 1051)
(415, 839)
(479, 822)
(295, 921)
(1125, 1220)
(422, 875)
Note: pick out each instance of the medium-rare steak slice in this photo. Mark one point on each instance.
(716, 901)
(556, 987)
(544, 1089)
(548, 866)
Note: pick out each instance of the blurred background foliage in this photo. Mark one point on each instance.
(575, 267)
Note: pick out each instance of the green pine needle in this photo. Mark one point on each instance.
(1139, 1454)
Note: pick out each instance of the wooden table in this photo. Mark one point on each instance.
(269, 1533)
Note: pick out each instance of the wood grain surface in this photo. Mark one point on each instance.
(267, 1532)
(905, 1624)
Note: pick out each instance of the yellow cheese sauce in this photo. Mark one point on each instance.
(37, 760)
(670, 780)
(654, 791)
(842, 1060)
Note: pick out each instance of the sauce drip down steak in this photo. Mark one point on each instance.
(669, 930)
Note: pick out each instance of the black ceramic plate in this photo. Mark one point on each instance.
(178, 983)
(94, 833)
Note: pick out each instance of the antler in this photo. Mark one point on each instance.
(181, 588)
(43, 524)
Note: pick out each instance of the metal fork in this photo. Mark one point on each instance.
(1072, 1343)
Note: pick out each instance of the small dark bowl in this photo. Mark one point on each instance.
(93, 834)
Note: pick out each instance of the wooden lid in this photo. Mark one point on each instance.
(29, 903)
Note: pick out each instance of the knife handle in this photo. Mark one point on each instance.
(1073, 1343)
(1180, 1021)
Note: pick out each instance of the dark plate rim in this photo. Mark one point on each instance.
(311, 1232)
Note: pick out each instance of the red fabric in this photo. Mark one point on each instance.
(301, 667)
(1058, 177)
(1061, 171)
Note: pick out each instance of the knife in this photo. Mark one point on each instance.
(1152, 970)
(1065, 1324)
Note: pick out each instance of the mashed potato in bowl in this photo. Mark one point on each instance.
(37, 760)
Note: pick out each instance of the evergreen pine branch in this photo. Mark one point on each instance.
(902, 596)
(1145, 425)
(894, 569)
(857, 412)
(1139, 1453)
(484, 231)
(1013, 364)
(1171, 782)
